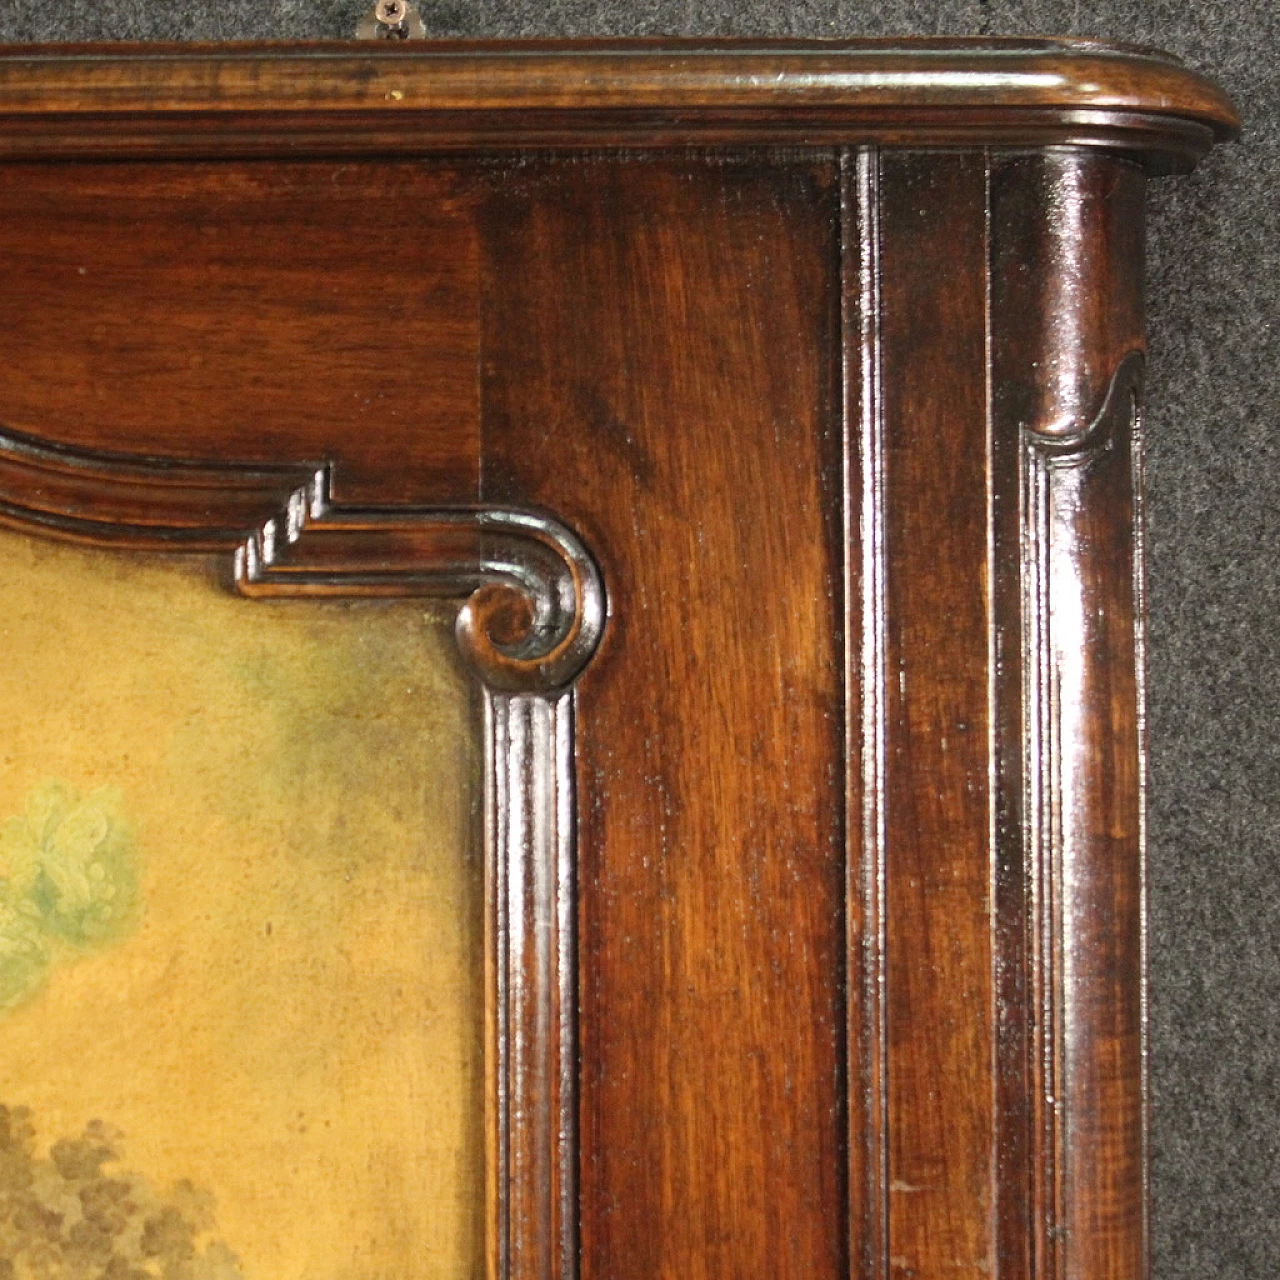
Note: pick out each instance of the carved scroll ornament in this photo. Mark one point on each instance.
(532, 615)
(534, 600)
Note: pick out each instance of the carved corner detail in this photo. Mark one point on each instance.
(535, 603)
(1119, 406)
(532, 615)
(534, 606)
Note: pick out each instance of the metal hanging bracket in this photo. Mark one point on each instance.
(392, 20)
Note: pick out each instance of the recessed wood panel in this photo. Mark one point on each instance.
(286, 312)
(661, 357)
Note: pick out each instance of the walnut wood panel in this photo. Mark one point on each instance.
(660, 353)
(833, 853)
(937, 860)
(262, 313)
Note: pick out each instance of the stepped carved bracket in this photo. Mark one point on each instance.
(534, 600)
(534, 606)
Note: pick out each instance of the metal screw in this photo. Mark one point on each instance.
(391, 20)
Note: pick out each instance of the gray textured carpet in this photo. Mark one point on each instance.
(1214, 525)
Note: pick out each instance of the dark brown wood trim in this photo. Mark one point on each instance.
(326, 99)
(865, 643)
(534, 606)
(1164, 144)
(1066, 325)
(1085, 829)
(994, 759)
(144, 503)
(531, 824)
(532, 616)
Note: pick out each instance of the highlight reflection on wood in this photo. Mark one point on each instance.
(240, 928)
(773, 407)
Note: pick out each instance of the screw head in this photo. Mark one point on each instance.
(391, 13)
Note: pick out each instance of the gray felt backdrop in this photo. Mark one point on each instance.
(1214, 674)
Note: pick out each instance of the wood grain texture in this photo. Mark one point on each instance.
(1090, 581)
(257, 313)
(1066, 342)
(836, 844)
(661, 346)
(998, 308)
(316, 99)
(112, 499)
(532, 952)
(937, 792)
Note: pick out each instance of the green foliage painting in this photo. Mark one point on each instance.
(72, 1215)
(68, 884)
(241, 922)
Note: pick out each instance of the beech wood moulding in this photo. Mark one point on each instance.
(771, 409)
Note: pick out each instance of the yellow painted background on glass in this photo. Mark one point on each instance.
(240, 928)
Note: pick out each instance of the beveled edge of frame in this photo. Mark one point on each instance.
(534, 602)
(532, 611)
(337, 98)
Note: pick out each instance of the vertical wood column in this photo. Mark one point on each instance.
(993, 344)
(1067, 239)
(661, 355)
(937, 728)
(529, 807)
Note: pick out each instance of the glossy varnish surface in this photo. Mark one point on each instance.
(457, 95)
(1067, 343)
(814, 903)
(677, 372)
(322, 312)
(937, 712)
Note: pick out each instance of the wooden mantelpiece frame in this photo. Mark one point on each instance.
(459, 96)
(779, 434)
